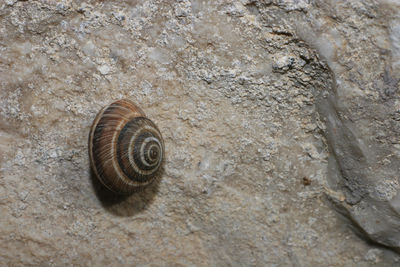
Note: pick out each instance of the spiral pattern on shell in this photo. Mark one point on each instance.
(126, 149)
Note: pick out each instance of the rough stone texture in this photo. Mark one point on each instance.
(232, 86)
(362, 115)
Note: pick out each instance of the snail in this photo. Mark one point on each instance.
(126, 148)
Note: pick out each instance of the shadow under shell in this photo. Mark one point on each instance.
(126, 205)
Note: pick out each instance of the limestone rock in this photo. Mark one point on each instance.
(252, 98)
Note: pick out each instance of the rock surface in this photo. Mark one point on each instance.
(266, 108)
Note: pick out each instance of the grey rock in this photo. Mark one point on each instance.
(244, 93)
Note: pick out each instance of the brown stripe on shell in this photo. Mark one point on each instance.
(131, 166)
(103, 145)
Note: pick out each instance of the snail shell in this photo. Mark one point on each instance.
(126, 149)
